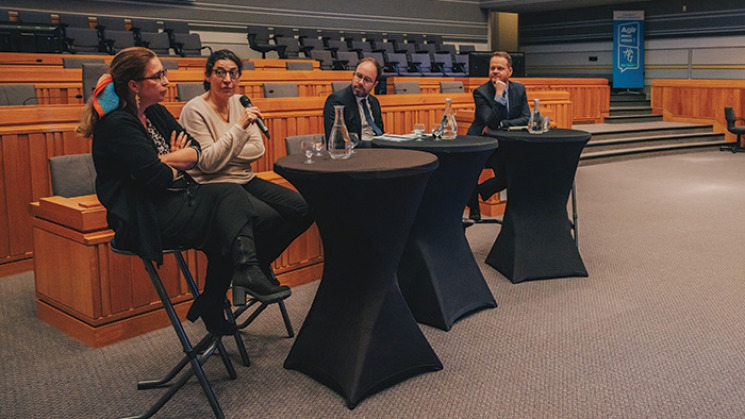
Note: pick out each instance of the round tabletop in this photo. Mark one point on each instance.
(552, 135)
(463, 143)
(363, 163)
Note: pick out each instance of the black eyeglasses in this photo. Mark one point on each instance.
(161, 76)
(221, 73)
(365, 79)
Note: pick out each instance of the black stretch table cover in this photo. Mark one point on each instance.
(438, 274)
(535, 241)
(359, 336)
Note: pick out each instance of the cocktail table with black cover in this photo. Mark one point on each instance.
(359, 336)
(438, 274)
(535, 241)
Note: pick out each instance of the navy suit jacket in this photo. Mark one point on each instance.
(490, 113)
(351, 114)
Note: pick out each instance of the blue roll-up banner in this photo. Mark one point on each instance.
(628, 49)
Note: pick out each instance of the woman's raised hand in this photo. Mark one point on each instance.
(179, 141)
(250, 115)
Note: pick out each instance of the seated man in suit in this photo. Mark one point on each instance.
(500, 103)
(361, 109)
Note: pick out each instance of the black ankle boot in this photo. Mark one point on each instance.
(248, 275)
(213, 317)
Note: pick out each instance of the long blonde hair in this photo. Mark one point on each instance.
(128, 64)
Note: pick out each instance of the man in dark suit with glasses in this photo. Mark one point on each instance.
(361, 109)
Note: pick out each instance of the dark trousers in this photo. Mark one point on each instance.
(279, 216)
(208, 217)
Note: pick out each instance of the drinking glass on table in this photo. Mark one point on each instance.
(436, 132)
(319, 144)
(308, 146)
(419, 130)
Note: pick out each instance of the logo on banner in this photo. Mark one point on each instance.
(628, 46)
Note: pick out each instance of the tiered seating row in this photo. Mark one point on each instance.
(25, 31)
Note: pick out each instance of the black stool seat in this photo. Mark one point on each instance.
(195, 355)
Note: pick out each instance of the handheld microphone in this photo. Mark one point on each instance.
(246, 102)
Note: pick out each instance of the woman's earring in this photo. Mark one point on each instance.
(137, 100)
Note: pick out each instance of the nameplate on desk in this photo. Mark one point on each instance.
(396, 137)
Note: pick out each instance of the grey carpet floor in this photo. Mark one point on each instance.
(656, 331)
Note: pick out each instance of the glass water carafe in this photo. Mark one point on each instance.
(339, 145)
(535, 124)
(448, 126)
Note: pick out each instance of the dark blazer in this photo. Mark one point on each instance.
(130, 176)
(490, 113)
(352, 116)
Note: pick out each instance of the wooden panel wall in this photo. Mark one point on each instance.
(699, 101)
(590, 97)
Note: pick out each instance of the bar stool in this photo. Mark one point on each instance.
(239, 299)
(195, 355)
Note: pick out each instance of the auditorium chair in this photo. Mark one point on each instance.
(334, 45)
(74, 62)
(349, 59)
(292, 143)
(309, 44)
(258, 40)
(359, 47)
(157, 42)
(449, 48)
(384, 47)
(424, 65)
(172, 27)
(407, 49)
(188, 91)
(72, 175)
(339, 85)
(397, 64)
(406, 88)
(274, 90)
(397, 39)
(74, 21)
(116, 41)
(415, 38)
(248, 65)
(451, 87)
(91, 73)
(291, 47)
(326, 61)
(331, 35)
(299, 65)
(445, 61)
(434, 39)
(732, 120)
(462, 61)
(282, 32)
(17, 94)
(82, 41)
(142, 26)
(465, 49)
(190, 44)
(425, 49)
(305, 33)
(371, 37)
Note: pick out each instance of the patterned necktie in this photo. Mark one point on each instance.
(369, 118)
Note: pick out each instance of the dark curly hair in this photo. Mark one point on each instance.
(223, 54)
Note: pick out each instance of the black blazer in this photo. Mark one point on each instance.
(351, 114)
(129, 176)
(490, 113)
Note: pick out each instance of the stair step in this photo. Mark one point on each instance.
(641, 152)
(632, 118)
(623, 131)
(616, 143)
(626, 105)
(626, 98)
(630, 111)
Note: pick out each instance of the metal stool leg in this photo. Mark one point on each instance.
(221, 348)
(192, 355)
(574, 215)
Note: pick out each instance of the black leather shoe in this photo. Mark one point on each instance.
(213, 317)
(258, 285)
